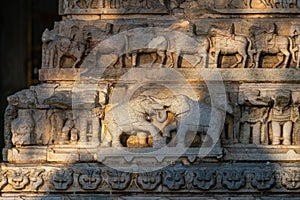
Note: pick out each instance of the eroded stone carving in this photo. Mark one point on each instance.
(264, 179)
(90, 179)
(118, 180)
(291, 179)
(36, 179)
(186, 111)
(233, 179)
(227, 42)
(78, 4)
(204, 179)
(135, 116)
(149, 181)
(22, 128)
(254, 117)
(282, 117)
(56, 48)
(174, 180)
(3, 179)
(267, 41)
(61, 179)
(72, 116)
(18, 179)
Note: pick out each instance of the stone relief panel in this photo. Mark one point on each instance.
(269, 116)
(220, 45)
(156, 115)
(62, 50)
(69, 7)
(194, 9)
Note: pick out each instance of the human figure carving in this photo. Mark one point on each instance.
(254, 115)
(295, 30)
(282, 116)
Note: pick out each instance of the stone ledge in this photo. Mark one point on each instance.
(262, 153)
(192, 75)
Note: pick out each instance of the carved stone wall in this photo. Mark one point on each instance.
(170, 98)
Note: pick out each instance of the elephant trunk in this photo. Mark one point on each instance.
(162, 116)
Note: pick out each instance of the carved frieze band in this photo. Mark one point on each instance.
(231, 178)
(232, 45)
(177, 8)
(111, 7)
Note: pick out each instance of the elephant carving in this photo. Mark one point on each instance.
(131, 117)
(190, 115)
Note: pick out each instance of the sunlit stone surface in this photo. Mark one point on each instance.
(153, 99)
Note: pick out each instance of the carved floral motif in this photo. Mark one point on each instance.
(204, 179)
(149, 181)
(118, 180)
(61, 179)
(263, 179)
(90, 179)
(291, 179)
(174, 178)
(233, 179)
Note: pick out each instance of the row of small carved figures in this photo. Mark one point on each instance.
(176, 177)
(265, 3)
(118, 4)
(112, 4)
(207, 49)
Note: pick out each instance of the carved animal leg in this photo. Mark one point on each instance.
(252, 63)
(257, 59)
(181, 131)
(298, 59)
(239, 60)
(245, 133)
(50, 58)
(244, 60)
(114, 60)
(256, 133)
(287, 133)
(217, 54)
(178, 55)
(134, 57)
(155, 58)
(264, 134)
(171, 58)
(204, 60)
(95, 130)
(59, 57)
(276, 129)
(287, 56)
(280, 60)
(83, 130)
(76, 62)
(198, 60)
(163, 56)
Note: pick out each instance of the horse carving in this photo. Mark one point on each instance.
(230, 43)
(269, 42)
(56, 47)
